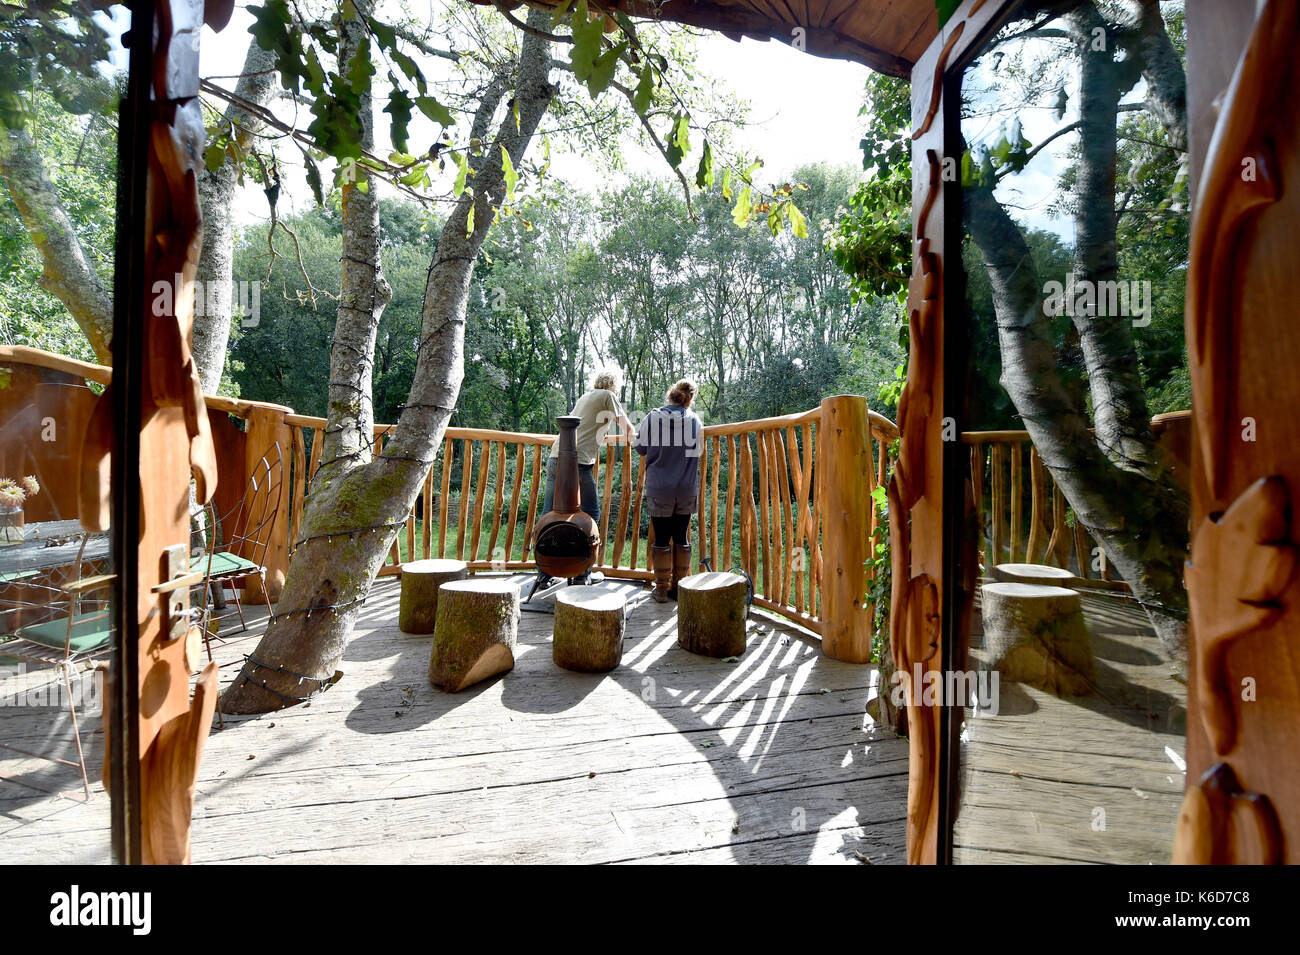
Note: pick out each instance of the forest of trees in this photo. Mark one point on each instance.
(577, 281)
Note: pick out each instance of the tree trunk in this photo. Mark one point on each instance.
(216, 197)
(1116, 482)
(1138, 517)
(712, 614)
(356, 505)
(68, 275)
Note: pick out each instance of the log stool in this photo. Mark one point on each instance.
(711, 614)
(1043, 574)
(475, 634)
(1036, 635)
(589, 627)
(421, 579)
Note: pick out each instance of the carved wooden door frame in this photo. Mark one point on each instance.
(155, 729)
(1223, 818)
(932, 584)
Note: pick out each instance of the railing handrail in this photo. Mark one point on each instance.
(762, 484)
(1158, 423)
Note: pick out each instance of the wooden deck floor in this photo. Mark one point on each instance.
(670, 758)
(1089, 779)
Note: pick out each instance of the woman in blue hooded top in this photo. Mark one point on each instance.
(671, 439)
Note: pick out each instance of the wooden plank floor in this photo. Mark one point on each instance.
(1090, 779)
(670, 758)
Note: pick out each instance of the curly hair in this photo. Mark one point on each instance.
(610, 379)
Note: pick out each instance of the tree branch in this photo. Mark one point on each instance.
(68, 274)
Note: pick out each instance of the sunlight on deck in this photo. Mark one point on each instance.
(671, 757)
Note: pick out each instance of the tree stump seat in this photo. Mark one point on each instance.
(1044, 574)
(1036, 634)
(589, 628)
(711, 613)
(418, 610)
(475, 633)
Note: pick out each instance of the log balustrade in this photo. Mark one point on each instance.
(1021, 515)
(786, 499)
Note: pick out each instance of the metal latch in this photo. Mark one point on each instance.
(177, 590)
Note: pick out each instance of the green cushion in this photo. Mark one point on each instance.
(89, 631)
(225, 564)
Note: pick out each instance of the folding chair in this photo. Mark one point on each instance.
(238, 541)
(68, 639)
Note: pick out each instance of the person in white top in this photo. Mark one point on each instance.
(597, 409)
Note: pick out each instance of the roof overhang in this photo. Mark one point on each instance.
(887, 35)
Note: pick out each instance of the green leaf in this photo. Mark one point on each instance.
(434, 110)
(602, 70)
(416, 176)
(798, 224)
(314, 78)
(946, 9)
(508, 173)
(740, 214)
(679, 140)
(469, 221)
(385, 35)
(270, 28)
(726, 184)
(704, 174)
(313, 179)
(270, 24)
(462, 170)
(399, 108)
(215, 155)
(645, 88)
(410, 68)
(361, 68)
(559, 13)
(587, 36)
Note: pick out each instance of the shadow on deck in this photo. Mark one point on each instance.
(1096, 778)
(672, 757)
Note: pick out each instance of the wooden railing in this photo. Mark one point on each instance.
(759, 505)
(1022, 516)
(785, 499)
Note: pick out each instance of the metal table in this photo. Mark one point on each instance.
(49, 545)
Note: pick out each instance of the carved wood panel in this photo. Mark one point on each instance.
(918, 630)
(1244, 691)
(175, 441)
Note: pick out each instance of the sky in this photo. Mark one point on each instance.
(804, 109)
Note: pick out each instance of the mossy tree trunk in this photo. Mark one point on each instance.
(358, 499)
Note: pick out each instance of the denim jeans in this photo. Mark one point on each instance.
(586, 486)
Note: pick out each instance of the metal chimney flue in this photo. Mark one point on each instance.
(568, 497)
(566, 539)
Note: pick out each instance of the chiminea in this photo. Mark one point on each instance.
(566, 538)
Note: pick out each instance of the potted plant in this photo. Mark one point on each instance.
(13, 495)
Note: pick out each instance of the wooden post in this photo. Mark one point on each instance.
(843, 487)
(266, 426)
